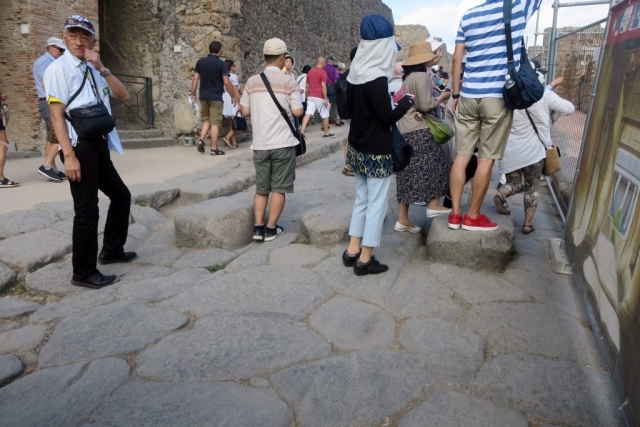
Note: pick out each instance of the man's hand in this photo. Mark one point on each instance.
(326, 102)
(192, 98)
(94, 58)
(455, 104)
(72, 166)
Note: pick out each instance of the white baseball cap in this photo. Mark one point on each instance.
(274, 47)
(54, 41)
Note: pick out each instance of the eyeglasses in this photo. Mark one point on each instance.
(60, 49)
(77, 22)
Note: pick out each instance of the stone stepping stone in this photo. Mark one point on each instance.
(192, 404)
(163, 254)
(205, 258)
(478, 287)
(453, 352)
(554, 291)
(226, 223)
(161, 288)
(446, 408)
(351, 324)
(114, 329)
(72, 304)
(365, 387)
(11, 307)
(141, 273)
(20, 222)
(297, 254)
(327, 224)
(23, 339)
(534, 328)
(247, 261)
(10, 368)
(148, 217)
(203, 189)
(230, 348)
(138, 232)
(561, 392)
(289, 292)
(476, 250)
(7, 277)
(60, 396)
(406, 290)
(153, 195)
(53, 279)
(34, 249)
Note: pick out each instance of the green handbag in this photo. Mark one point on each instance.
(441, 131)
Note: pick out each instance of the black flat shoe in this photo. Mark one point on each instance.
(372, 267)
(123, 257)
(349, 260)
(96, 281)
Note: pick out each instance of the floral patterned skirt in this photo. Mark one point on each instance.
(427, 176)
(369, 165)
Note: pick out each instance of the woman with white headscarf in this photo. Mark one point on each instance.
(370, 139)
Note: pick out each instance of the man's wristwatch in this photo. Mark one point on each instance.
(105, 73)
(455, 96)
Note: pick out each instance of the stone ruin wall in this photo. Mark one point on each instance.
(406, 34)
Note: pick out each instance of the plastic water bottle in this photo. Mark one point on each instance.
(513, 91)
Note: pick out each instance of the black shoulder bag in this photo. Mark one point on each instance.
(527, 89)
(301, 147)
(94, 121)
(552, 162)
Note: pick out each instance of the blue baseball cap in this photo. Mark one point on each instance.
(375, 27)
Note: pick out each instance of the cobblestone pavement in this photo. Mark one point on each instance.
(282, 334)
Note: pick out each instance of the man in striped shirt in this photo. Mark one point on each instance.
(79, 79)
(482, 118)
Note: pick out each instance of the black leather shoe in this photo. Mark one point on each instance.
(349, 260)
(123, 257)
(96, 281)
(372, 267)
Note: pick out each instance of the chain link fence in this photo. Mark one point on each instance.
(575, 59)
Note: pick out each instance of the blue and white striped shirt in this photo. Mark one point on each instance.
(481, 31)
(64, 77)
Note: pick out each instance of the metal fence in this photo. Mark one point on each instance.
(138, 111)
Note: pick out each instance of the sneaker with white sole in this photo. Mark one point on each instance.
(432, 213)
(399, 227)
(330, 135)
(479, 223)
(454, 221)
(271, 233)
(50, 174)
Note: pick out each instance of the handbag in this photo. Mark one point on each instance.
(301, 147)
(92, 121)
(527, 89)
(552, 162)
(239, 122)
(441, 131)
(402, 152)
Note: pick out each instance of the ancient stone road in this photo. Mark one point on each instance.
(281, 334)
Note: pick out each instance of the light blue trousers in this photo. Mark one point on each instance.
(370, 209)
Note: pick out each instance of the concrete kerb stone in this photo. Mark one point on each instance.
(328, 224)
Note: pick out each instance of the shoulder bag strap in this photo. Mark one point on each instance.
(506, 11)
(535, 128)
(94, 86)
(75, 95)
(275, 100)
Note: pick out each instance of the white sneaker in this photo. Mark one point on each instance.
(420, 203)
(432, 213)
(399, 227)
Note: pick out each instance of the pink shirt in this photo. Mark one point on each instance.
(315, 78)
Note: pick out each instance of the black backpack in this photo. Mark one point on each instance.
(527, 90)
(341, 98)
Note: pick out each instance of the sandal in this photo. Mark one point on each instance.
(501, 204)
(200, 146)
(7, 183)
(530, 228)
(226, 141)
(217, 152)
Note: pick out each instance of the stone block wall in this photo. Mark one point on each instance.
(407, 34)
(19, 51)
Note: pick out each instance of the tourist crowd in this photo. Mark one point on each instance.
(392, 105)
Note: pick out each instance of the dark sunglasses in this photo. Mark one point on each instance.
(59, 49)
(76, 22)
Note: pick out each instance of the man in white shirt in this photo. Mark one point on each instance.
(274, 154)
(78, 79)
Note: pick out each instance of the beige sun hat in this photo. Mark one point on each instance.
(419, 52)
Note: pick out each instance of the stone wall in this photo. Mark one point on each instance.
(407, 34)
(19, 51)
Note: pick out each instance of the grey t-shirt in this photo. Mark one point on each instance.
(211, 70)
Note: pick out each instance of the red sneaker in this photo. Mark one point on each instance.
(455, 220)
(479, 223)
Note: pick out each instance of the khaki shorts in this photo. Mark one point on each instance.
(275, 170)
(482, 121)
(211, 111)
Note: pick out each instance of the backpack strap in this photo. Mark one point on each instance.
(275, 100)
(506, 12)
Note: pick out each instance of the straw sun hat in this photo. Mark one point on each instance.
(419, 53)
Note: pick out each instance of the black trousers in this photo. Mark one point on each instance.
(97, 173)
(470, 171)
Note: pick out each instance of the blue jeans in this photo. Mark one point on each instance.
(370, 209)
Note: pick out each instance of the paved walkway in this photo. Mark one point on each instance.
(281, 334)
